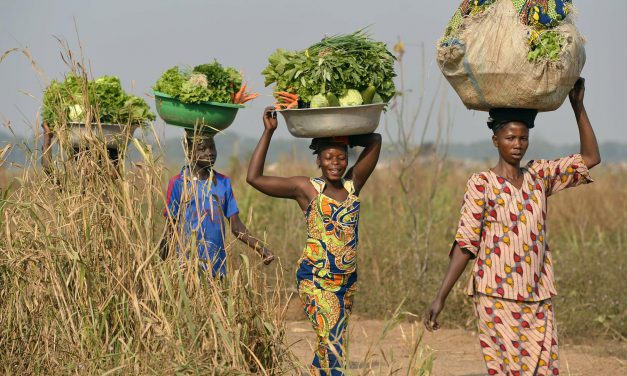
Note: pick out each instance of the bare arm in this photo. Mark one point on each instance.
(46, 148)
(459, 260)
(367, 161)
(292, 187)
(240, 231)
(589, 148)
(164, 245)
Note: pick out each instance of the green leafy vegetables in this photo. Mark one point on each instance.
(340, 67)
(547, 45)
(203, 83)
(78, 99)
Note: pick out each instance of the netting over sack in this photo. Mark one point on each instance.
(512, 53)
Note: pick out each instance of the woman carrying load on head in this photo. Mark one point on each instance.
(503, 227)
(46, 151)
(327, 269)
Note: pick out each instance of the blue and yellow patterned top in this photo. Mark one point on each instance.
(331, 232)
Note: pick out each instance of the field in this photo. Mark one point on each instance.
(403, 263)
(83, 290)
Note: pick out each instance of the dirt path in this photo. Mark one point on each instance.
(456, 351)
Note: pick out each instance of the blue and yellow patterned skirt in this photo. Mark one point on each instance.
(327, 300)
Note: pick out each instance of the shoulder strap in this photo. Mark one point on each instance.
(318, 184)
(349, 186)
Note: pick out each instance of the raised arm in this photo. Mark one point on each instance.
(292, 187)
(589, 148)
(367, 161)
(239, 230)
(46, 148)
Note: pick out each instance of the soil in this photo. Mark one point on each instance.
(456, 351)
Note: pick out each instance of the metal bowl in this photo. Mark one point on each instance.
(114, 135)
(333, 121)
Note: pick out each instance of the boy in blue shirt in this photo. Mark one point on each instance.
(198, 200)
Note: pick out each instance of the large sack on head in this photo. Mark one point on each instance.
(485, 54)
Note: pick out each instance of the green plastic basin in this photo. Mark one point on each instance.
(216, 116)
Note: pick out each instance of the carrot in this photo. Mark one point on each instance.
(242, 89)
(285, 106)
(236, 97)
(248, 97)
(242, 96)
(285, 100)
(283, 94)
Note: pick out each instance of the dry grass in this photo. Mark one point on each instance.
(588, 229)
(83, 290)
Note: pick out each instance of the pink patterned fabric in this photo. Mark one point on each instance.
(505, 228)
(517, 338)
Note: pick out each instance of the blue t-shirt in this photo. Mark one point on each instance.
(199, 207)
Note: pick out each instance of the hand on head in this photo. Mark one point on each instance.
(270, 122)
(578, 91)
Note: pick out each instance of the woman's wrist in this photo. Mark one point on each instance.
(577, 106)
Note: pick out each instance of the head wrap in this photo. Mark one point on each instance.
(319, 143)
(501, 116)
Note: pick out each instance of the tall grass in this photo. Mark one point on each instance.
(587, 226)
(84, 290)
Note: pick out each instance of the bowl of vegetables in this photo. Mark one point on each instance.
(93, 110)
(207, 95)
(330, 121)
(216, 116)
(336, 87)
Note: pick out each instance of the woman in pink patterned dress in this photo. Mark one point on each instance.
(503, 227)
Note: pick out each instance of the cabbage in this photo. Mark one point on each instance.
(191, 93)
(77, 112)
(333, 101)
(319, 100)
(351, 98)
(198, 79)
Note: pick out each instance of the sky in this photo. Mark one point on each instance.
(139, 39)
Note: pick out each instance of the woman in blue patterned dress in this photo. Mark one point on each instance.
(327, 269)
